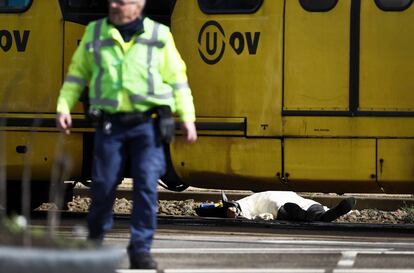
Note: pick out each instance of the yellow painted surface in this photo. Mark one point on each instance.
(43, 146)
(30, 80)
(234, 158)
(73, 35)
(30, 84)
(386, 66)
(341, 156)
(330, 160)
(244, 85)
(397, 156)
(317, 58)
(348, 127)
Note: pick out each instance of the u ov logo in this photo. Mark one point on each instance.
(7, 39)
(212, 42)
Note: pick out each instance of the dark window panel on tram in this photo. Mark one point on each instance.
(393, 5)
(318, 5)
(14, 6)
(229, 6)
(85, 11)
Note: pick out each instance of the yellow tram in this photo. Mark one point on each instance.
(304, 95)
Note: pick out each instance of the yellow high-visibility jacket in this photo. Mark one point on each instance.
(128, 77)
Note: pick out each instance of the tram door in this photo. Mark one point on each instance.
(317, 39)
(386, 83)
(386, 56)
(317, 86)
(30, 55)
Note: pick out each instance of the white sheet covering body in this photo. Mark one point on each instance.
(261, 203)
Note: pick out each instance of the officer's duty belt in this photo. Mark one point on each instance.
(127, 119)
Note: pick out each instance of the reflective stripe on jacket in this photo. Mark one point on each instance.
(151, 71)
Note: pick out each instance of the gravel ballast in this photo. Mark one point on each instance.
(186, 208)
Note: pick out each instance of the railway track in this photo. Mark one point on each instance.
(370, 208)
(191, 244)
(243, 224)
(364, 201)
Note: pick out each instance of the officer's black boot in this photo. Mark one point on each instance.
(342, 208)
(291, 211)
(315, 213)
(142, 261)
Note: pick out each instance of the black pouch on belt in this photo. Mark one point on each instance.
(165, 123)
(95, 116)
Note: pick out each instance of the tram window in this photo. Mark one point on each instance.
(14, 5)
(87, 6)
(229, 6)
(318, 5)
(393, 5)
(85, 11)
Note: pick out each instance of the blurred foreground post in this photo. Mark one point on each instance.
(60, 173)
(3, 155)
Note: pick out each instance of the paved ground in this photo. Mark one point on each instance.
(195, 249)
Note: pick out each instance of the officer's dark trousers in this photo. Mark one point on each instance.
(147, 165)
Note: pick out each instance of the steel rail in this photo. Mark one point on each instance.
(245, 225)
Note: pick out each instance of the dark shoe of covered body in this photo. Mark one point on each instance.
(293, 212)
(342, 208)
(142, 261)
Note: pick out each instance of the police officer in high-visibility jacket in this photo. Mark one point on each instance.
(132, 67)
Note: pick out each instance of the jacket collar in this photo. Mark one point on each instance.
(114, 33)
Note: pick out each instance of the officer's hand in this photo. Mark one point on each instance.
(64, 122)
(190, 132)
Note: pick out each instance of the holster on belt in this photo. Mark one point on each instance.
(95, 116)
(165, 124)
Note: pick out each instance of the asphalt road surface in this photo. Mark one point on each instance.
(198, 249)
